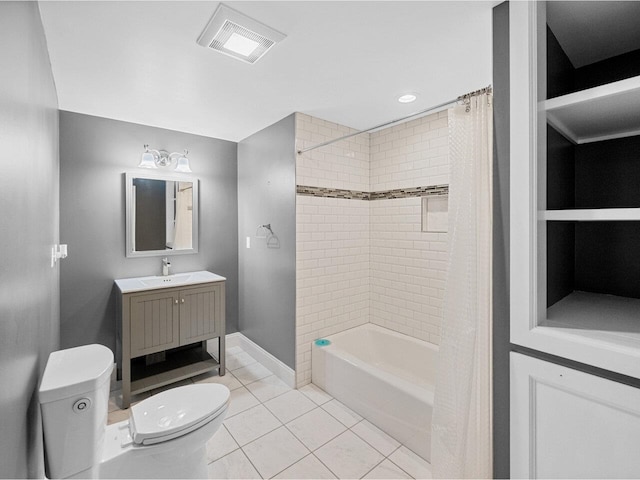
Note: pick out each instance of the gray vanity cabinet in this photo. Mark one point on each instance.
(200, 311)
(154, 322)
(177, 321)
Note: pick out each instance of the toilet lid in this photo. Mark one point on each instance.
(176, 412)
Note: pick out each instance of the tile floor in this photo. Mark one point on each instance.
(273, 431)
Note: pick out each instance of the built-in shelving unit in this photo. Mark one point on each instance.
(587, 258)
(603, 318)
(574, 116)
(575, 206)
(600, 113)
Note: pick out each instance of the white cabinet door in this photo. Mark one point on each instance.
(569, 424)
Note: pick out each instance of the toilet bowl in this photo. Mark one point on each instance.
(164, 436)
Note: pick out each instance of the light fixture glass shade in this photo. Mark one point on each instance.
(182, 164)
(147, 160)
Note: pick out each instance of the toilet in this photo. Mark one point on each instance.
(164, 436)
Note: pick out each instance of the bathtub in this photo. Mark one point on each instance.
(386, 377)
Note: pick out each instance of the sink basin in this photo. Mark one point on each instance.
(138, 284)
(167, 281)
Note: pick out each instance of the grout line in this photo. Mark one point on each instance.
(252, 464)
(319, 447)
(228, 453)
(243, 366)
(402, 469)
(252, 381)
(290, 465)
(365, 440)
(340, 421)
(374, 467)
(309, 397)
(257, 438)
(294, 418)
(281, 425)
(246, 409)
(325, 465)
(245, 456)
(249, 458)
(272, 375)
(257, 399)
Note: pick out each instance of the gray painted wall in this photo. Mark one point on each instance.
(29, 287)
(94, 154)
(267, 282)
(501, 241)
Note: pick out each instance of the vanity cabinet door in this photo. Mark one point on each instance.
(201, 313)
(154, 323)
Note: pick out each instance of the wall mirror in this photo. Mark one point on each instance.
(161, 214)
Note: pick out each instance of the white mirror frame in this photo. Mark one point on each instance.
(129, 228)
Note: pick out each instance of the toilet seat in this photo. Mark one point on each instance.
(176, 412)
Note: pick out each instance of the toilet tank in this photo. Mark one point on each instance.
(74, 397)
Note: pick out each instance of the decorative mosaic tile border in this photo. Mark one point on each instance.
(331, 192)
(431, 190)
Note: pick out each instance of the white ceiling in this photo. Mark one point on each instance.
(592, 31)
(346, 62)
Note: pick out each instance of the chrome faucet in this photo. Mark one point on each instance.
(166, 265)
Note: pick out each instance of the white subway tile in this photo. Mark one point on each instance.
(363, 261)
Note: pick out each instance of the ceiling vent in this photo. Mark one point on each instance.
(238, 36)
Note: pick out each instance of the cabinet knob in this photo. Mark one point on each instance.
(176, 301)
(182, 300)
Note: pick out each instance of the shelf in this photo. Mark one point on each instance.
(599, 113)
(179, 365)
(592, 214)
(602, 318)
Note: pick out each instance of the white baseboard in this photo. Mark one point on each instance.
(279, 369)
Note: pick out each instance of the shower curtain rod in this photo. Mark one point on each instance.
(461, 98)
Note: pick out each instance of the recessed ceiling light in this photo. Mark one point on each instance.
(408, 98)
(242, 45)
(238, 36)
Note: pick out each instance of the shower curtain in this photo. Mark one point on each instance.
(462, 413)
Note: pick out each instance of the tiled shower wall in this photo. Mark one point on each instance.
(361, 261)
(407, 266)
(332, 238)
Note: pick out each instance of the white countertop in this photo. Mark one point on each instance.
(155, 282)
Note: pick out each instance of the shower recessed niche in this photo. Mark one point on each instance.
(435, 214)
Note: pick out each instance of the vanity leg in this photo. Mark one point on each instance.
(221, 356)
(126, 383)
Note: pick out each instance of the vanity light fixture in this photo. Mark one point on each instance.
(236, 35)
(407, 98)
(162, 158)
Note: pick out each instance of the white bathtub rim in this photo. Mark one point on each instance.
(386, 331)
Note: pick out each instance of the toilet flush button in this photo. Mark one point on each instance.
(82, 405)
